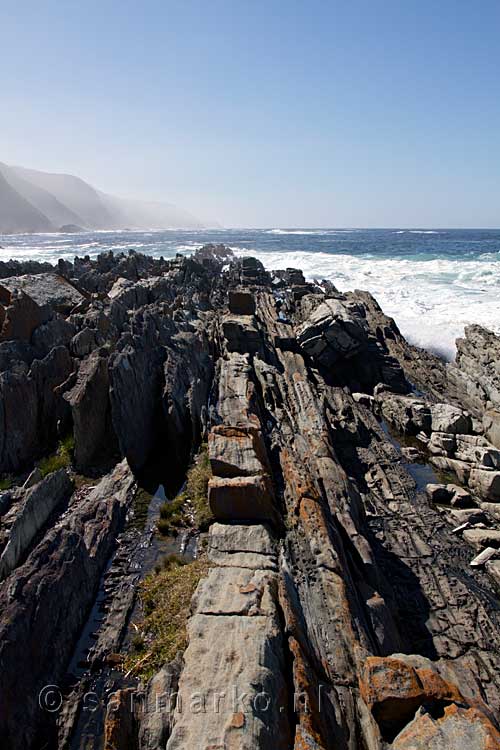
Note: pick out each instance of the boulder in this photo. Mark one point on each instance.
(481, 538)
(250, 546)
(30, 516)
(241, 334)
(394, 690)
(449, 494)
(442, 444)
(237, 451)
(47, 289)
(331, 333)
(90, 410)
(408, 414)
(242, 498)
(450, 419)
(458, 728)
(241, 302)
(20, 315)
(83, 343)
(159, 706)
(485, 483)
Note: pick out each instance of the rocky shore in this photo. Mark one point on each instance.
(350, 595)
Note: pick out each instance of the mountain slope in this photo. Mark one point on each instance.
(75, 194)
(57, 213)
(17, 214)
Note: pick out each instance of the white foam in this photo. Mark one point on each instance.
(431, 300)
(306, 232)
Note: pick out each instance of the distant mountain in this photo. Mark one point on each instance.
(33, 201)
(17, 214)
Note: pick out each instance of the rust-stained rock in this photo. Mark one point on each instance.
(237, 451)
(394, 689)
(120, 725)
(242, 498)
(459, 728)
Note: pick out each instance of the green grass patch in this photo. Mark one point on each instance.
(191, 505)
(5, 483)
(62, 458)
(165, 596)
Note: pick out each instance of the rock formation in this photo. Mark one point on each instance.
(351, 598)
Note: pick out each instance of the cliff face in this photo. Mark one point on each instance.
(349, 599)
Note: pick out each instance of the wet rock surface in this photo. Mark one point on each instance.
(352, 586)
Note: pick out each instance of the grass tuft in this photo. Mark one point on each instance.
(165, 596)
(5, 483)
(62, 458)
(193, 501)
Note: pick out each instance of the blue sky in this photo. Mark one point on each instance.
(360, 113)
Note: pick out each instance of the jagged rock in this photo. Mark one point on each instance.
(56, 332)
(408, 414)
(458, 728)
(491, 426)
(331, 333)
(83, 343)
(237, 452)
(449, 494)
(252, 272)
(188, 372)
(136, 378)
(481, 538)
(46, 289)
(30, 516)
(450, 419)
(474, 374)
(90, 410)
(120, 725)
(241, 302)
(493, 568)
(241, 334)
(20, 315)
(19, 268)
(159, 705)
(242, 498)
(366, 567)
(486, 483)
(49, 596)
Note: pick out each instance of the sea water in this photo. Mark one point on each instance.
(433, 282)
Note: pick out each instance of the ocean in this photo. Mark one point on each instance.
(433, 282)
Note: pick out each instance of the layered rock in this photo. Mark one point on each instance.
(346, 606)
(45, 601)
(232, 689)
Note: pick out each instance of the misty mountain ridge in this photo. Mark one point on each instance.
(34, 201)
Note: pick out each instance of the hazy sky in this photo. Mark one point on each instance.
(370, 113)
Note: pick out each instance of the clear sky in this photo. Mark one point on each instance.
(279, 113)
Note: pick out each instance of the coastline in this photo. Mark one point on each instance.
(349, 479)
